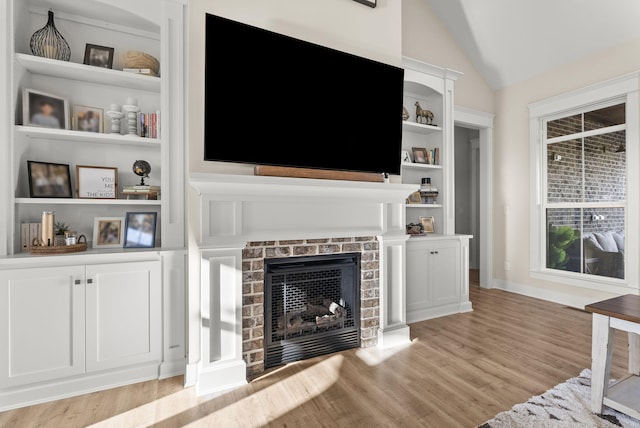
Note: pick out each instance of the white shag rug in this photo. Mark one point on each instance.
(565, 405)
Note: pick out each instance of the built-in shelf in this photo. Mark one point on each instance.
(68, 135)
(75, 201)
(420, 127)
(420, 166)
(87, 73)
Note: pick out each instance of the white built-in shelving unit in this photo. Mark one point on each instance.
(79, 302)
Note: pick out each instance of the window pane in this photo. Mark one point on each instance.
(605, 168)
(563, 245)
(603, 242)
(564, 126)
(608, 116)
(564, 172)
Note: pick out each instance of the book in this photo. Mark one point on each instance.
(145, 71)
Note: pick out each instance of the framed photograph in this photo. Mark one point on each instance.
(428, 224)
(108, 232)
(96, 182)
(98, 56)
(45, 110)
(370, 3)
(140, 230)
(415, 198)
(88, 119)
(419, 154)
(49, 180)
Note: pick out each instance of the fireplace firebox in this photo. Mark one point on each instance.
(312, 306)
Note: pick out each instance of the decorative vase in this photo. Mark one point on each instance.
(49, 43)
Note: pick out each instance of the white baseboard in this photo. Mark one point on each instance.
(574, 300)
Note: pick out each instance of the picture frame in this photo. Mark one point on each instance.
(98, 56)
(44, 110)
(108, 232)
(370, 3)
(140, 229)
(49, 180)
(428, 224)
(414, 198)
(96, 182)
(88, 119)
(419, 154)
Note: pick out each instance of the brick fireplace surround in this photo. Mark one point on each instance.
(238, 220)
(253, 288)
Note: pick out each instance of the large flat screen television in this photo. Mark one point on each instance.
(272, 99)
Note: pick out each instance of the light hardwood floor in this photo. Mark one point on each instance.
(459, 371)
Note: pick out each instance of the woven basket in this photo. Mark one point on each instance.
(61, 249)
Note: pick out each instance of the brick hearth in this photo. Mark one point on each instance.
(253, 257)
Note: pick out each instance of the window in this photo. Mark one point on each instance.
(585, 200)
(582, 213)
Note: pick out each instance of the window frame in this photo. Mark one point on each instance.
(623, 89)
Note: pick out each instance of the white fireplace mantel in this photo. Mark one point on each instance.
(232, 210)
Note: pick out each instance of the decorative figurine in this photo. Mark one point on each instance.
(405, 113)
(423, 113)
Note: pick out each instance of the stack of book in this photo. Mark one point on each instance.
(148, 124)
(138, 191)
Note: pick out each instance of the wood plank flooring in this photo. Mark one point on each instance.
(459, 371)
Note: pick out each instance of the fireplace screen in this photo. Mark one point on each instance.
(312, 306)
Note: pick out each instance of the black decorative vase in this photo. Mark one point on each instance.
(49, 43)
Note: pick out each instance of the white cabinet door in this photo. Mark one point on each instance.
(42, 334)
(444, 273)
(123, 314)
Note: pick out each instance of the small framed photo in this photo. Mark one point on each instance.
(140, 229)
(96, 182)
(428, 224)
(49, 180)
(108, 232)
(415, 198)
(98, 56)
(419, 154)
(88, 119)
(45, 110)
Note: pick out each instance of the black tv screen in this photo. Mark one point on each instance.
(272, 99)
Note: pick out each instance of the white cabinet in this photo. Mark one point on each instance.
(123, 314)
(62, 321)
(42, 324)
(437, 277)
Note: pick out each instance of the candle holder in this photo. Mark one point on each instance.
(116, 115)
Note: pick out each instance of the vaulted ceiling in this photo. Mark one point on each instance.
(510, 41)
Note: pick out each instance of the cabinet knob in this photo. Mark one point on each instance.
(77, 282)
(89, 281)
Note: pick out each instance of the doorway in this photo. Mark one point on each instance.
(473, 133)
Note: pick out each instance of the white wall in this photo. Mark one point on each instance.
(340, 24)
(511, 160)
